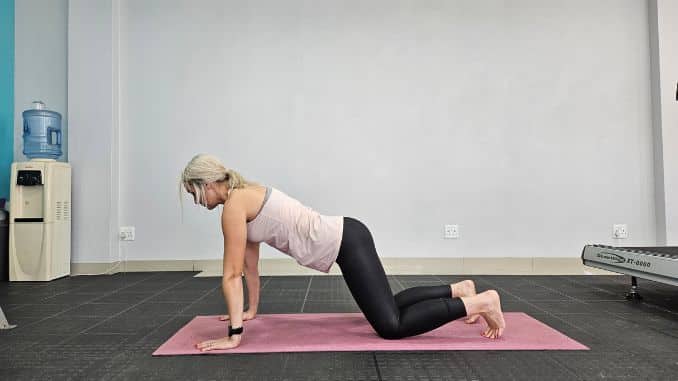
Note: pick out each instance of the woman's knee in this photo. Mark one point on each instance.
(389, 330)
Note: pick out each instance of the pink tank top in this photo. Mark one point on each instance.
(297, 230)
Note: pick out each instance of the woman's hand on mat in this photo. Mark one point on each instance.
(247, 315)
(223, 343)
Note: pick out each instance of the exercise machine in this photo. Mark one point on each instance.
(659, 263)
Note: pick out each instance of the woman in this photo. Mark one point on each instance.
(254, 214)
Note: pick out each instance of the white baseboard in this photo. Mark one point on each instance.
(392, 266)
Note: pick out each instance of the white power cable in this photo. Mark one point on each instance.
(123, 236)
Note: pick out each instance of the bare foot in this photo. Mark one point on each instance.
(493, 315)
(465, 288)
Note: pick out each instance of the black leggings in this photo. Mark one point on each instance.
(410, 312)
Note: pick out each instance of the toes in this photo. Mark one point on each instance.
(492, 333)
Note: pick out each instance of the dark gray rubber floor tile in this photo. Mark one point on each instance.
(414, 366)
(517, 365)
(121, 336)
(333, 307)
(612, 366)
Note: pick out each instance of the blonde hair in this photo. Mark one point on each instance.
(204, 169)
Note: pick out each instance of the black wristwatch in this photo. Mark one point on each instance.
(234, 331)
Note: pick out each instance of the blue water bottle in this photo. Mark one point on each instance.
(42, 132)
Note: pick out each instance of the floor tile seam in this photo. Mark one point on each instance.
(102, 316)
(63, 293)
(81, 304)
(651, 358)
(647, 357)
(422, 282)
(106, 334)
(330, 301)
(546, 312)
(78, 316)
(402, 286)
(442, 282)
(644, 303)
(376, 366)
(86, 285)
(155, 329)
(117, 290)
(342, 289)
(651, 306)
(539, 354)
(574, 281)
(287, 359)
(619, 316)
(591, 300)
(18, 287)
(564, 300)
(557, 292)
(518, 297)
(463, 359)
(77, 353)
(577, 313)
(563, 364)
(114, 303)
(83, 333)
(660, 308)
(316, 299)
(23, 285)
(266, 282)
(108, 375)
(17, 307)
(306, 296)
(320, 298)
(132, 306)
(197, 300)
(150, 332)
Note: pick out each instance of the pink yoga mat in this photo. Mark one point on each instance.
(335, 332)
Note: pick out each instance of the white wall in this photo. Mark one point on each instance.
(528, 124)
(92, 101)
(664, 25)
(41, 63)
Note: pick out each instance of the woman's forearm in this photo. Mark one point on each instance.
(232, 287)
(253, 286)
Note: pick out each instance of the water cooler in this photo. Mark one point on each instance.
(40, 203)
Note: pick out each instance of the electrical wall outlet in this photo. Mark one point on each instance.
(451, 231)
(127, 233)
(620, 231)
